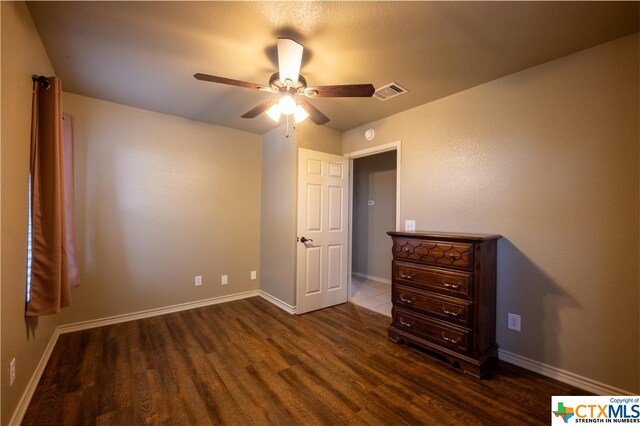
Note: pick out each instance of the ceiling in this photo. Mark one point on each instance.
(144, 54)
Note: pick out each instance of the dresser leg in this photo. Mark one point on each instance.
(476, 370)
(395, 338)
(472, 370)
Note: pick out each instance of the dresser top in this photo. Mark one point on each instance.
(449, 236)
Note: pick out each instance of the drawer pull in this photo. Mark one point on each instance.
(405, 300)
(452, 286)
(406, 324)
(453, 257)
(406, 250)
(407, 277)
(447, 339)
(451, 313)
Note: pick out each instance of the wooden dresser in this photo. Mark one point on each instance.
(444, 295)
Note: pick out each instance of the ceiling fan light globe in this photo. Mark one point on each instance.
(287, 105)
(300, 114)
(274, 112)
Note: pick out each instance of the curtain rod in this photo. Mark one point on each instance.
(44, 81)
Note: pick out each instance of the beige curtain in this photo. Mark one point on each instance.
(53, 266)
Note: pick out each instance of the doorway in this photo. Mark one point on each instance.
(374, 204)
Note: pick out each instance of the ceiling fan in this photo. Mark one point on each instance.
(292, 88)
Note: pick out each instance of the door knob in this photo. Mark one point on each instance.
(304, 240)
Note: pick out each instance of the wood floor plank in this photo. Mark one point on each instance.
(248, 362)
(123, 416)
(190, 407)
(239, 384)
(44, 405)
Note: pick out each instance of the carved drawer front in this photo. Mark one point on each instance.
(453, 283)
(452, 310)
(459, 255)
(450, 336)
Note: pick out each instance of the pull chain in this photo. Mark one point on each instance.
(287, 135)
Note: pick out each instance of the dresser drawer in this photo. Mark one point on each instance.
(445, 281)
(459, 255)
(452, 310)
(450, 336)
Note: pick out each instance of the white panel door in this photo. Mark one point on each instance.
(323, 183)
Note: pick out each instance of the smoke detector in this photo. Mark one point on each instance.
(369, 134)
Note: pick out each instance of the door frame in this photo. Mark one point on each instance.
(378, 149)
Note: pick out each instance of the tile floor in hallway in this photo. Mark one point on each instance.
(370, 294)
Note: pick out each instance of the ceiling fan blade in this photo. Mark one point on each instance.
(341, 91)
(314, 114)
(231, 82)
(259, 109)
(289, 59)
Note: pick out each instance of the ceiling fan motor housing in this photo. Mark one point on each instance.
(299, 88)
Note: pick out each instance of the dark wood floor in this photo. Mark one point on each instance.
(248, 362)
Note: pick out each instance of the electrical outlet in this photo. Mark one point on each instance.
(409, 225)
(12, 372)
(198, 281)
(513, 322)
(254, 275)
(224, 280)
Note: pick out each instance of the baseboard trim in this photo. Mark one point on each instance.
(561, 375)
(25, 400)
(85, 325)
(371, 277)
(279, 303)
(23, 404)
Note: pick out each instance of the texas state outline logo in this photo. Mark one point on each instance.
(565, 413)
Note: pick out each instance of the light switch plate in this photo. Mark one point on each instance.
(514, 322)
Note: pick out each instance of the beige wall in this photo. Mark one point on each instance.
(318, 138)
(279, 202)
(22, 56)
(374, 178)
(159, 200)
(547, 157)
(278, 216)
